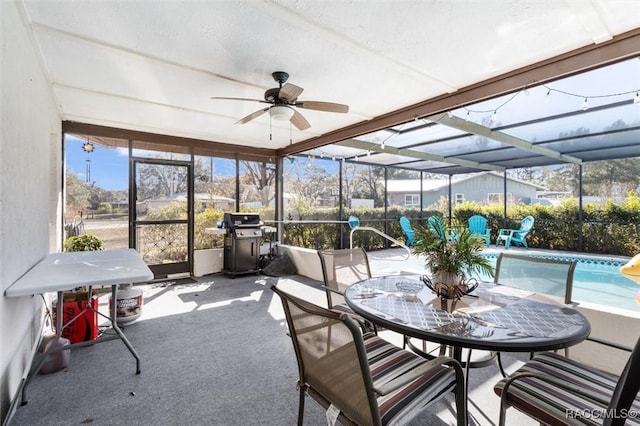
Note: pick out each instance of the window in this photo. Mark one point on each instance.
(498, 197)
(412, 200)
(459, 198)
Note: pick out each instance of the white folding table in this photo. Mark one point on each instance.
(60, 272)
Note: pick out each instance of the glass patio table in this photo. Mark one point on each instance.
(493, 317)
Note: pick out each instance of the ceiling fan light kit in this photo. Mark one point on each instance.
(283, 99)
(281, 112)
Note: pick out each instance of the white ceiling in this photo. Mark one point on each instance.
(153, 66)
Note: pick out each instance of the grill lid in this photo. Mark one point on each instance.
(241, 220)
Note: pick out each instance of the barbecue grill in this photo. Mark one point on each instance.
(242, 243)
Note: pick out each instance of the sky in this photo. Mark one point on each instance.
(110, 166)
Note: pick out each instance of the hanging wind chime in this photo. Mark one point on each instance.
(88, 148)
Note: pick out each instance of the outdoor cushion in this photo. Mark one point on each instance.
(551, 404)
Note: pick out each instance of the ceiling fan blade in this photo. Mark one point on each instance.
(251, 116)
(299, 121)
(323, 106)
(240, 99)
(290, 92)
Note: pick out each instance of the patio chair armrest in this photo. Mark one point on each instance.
(551, 380)
(610, 344)
(416, 372)
(333, 290)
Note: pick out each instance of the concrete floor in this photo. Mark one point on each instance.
(214, 352)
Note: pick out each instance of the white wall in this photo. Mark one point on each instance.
(30, 194)
(306, 260)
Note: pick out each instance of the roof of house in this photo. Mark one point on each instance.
(428, 185)
(200, 196)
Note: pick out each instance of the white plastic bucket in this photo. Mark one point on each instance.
(128, 304)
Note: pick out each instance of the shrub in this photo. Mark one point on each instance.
(86, 242)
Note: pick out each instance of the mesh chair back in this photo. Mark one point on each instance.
(546, 276)
(330, 350)
(340, 269)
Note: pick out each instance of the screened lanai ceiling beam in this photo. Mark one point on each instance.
(476, 129)
(375, 147)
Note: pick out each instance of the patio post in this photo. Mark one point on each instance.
(504, 199)
(340, 202)
(580, 217)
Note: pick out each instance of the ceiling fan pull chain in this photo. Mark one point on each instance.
(290, 134)
(270, 131)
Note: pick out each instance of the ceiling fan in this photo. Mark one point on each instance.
(282, 99)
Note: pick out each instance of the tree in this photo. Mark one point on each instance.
(612, 178)
(369, 183)
(261, 176)
(398, 174)
(160, 180)
(77, 194)
(155, 180)
(526, 174)
(308, 179)
(561, 179)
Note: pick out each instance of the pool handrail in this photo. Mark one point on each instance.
(354, 224)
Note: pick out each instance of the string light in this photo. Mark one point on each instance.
(585, 104)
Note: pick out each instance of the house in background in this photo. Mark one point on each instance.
(202, 201)
(485, 187)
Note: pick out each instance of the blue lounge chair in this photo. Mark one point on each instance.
(516, 236)
(478, 225)
(408, 231)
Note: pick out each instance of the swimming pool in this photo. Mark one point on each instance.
(595, 280)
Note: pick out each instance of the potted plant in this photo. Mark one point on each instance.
(452, 256)
(86, 242)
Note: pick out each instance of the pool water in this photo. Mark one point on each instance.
(595, 280)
